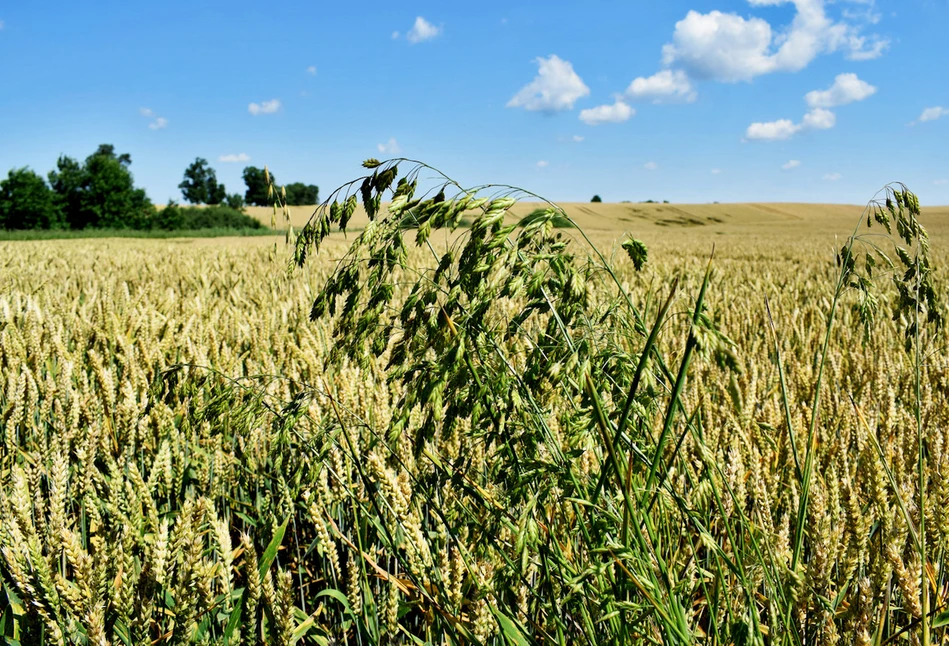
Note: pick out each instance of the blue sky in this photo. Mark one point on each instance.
(693, 101)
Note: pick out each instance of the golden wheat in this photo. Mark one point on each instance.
(130, 477)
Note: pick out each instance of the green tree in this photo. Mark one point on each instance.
(110, 199)
(170, 217)
(26, 202)
(200, 185)
(235, 201)
(108, 150)
(101, 192)
(299, 194)
(67, 184)
(256, 181)
(596, 198)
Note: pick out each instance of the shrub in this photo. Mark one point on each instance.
(216, 217)
(596, 198)
(235, 201)
(169, 218)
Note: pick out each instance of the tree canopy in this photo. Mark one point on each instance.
(26, 202)
(99, 193)
(299, 194)
(256, 181)
(200, 185)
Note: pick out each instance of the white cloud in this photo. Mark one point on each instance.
(650, 165)
(233, 158)
(395, 35)
(267, 107)
(941, 182)
(556, 87)
(311, 70)
(816, 119)
(391, 147)
(720, 46)
(422, 30)
(792, 163)
(662, 87)
(859, 50)
(867, 15)
(716, 171)
(819, 119)
(847, 88)
(157, 122)
(832, 177)
(2, 25)
(931, 114)
(616, 113)
(727, 47)
(543, 163)
(772, 130)
(577, 138)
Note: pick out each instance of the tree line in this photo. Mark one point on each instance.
(200, 186)
(100, 192)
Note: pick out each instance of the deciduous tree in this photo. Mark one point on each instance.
(26, 202)
(256, 181)
(200, 185)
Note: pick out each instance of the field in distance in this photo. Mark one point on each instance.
(712, 219)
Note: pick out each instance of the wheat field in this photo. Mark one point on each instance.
(188, 458)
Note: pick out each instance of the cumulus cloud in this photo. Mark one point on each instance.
(616, 113)
(931, 114)
(543, 163)
(730, 48)
(720, 46)
(716, 171)
(650, 165)
(662, 87)
(816, 119)
(577, 138)
(267, 107)
(792, 163)
(391, 147)
(234, 158)
(832, 177)
(556, 87)
(772, 130)
(819, 119)
(847, 88)
(311, 70)
(866, 49)
(421, 31)
(157, 123)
